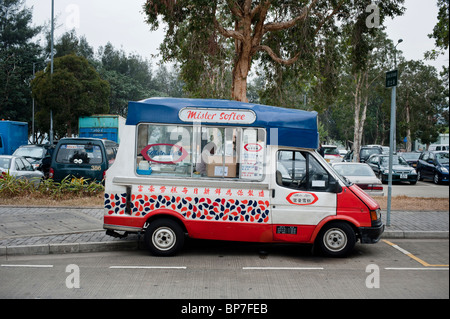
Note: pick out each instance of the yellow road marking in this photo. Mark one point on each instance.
(407, 253)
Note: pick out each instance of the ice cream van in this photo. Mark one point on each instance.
(231, 171)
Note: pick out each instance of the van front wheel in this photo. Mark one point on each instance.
(164, 237)
(337, 239)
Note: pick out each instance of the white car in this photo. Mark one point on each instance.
(331, 153)
(19, 167)
(362, 175)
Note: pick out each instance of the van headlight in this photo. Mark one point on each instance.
(375, 214)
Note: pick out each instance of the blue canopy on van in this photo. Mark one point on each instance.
(285, 127)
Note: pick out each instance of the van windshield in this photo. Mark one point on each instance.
(79, 154)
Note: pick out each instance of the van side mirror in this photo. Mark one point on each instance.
(335, 187)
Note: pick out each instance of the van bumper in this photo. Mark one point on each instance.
(371, 235)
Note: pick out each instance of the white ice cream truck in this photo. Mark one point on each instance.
(232, 171)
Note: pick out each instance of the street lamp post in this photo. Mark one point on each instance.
(392, 135)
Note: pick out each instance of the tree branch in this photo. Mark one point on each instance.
(275, 57)
(288, 24)
(328, 17)
(228, 33)
(235, 9)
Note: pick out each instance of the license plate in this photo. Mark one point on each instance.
(403, 176)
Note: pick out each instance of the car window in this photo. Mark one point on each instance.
(331, 151)
(375, 160)
(442, 158)
(28, 166)
(301, 171)
(19, 165)
(79, 154)
(34, 152)
(5, 163)
(354, 170)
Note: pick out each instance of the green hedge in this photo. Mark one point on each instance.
(69, 187)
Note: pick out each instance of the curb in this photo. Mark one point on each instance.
(54, 249)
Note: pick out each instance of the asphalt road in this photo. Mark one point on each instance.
(421, 189)
(407, 269)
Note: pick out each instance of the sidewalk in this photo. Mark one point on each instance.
(37, 231)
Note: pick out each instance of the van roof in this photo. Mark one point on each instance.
(295, 128)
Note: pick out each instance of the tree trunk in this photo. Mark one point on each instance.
(239, 86)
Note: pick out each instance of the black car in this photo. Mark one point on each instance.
(40, 156)
(433, 166)
(364, 153)
(412, 158)
(82, 157)
(401, 171)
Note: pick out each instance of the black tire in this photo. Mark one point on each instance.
(336, 239)
(436, 178)
(164, 237)
(419, 176)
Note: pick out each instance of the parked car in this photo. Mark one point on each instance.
(362, 175)
(438, 147)
(330, 153)
(401, 171)
(82, 157)
(367, 151)
(40, 156)
(19, 167)
(364, 153)
(434, 166)
(411, 157)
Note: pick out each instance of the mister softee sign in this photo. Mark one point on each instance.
(217, 116)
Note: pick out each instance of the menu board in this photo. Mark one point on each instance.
(252, 156)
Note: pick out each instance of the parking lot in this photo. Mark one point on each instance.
(218, 270)
(421, 189)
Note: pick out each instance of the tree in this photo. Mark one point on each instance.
(74, 89)
(17, 55)
(422, 100)
(441, 30)
(205, 28)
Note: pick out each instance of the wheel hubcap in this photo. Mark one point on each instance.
(164, 238)
(335, 239)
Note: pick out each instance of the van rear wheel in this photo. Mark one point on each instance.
(337, 239)
(164, 237)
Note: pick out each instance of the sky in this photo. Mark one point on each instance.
(121, 22)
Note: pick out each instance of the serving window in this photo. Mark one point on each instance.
(200, 151)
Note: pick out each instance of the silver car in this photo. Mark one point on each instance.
(19, 167)
(362, 175)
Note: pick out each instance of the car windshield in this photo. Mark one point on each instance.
(442, 158)
(366, 152)
(354, 170)
(411, 156)
(79, 154)
(35, 152)
(331, 151)
(396, 160)
(5, 163)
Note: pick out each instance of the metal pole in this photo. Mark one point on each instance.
(51, 67)
(391, 151)
(32, 122)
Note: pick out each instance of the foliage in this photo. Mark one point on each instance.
(74, 89)
(11, 187)
(17, 55)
